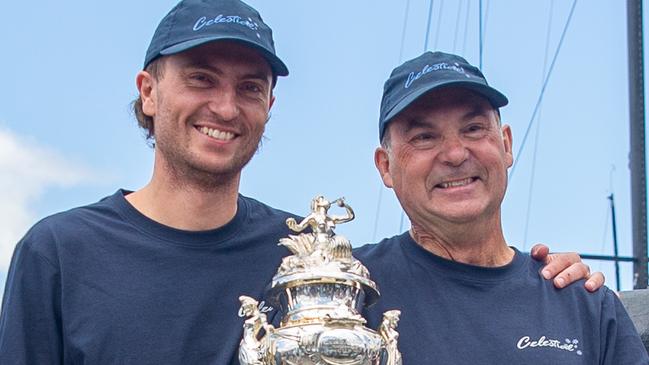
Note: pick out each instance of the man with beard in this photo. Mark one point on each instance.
(465, 295)
(154, 276)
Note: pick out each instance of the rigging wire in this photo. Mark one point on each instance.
(466, 26)
(403, 30)
(480, 31)
(439, 22)
(531, 187)
(605, 233)
(378, 212)
(538, 129)
(381, 188)
(486, 21)
(457, 24)
(430, 13)
(542, 93)
(403, 215)
(608, 214)
(484, 25)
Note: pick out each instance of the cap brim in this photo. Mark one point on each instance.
(278, 67)
(495, 97)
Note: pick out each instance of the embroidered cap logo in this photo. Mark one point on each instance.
(203, 22)
(412, 77)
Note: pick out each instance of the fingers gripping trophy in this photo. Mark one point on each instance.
(321, 289)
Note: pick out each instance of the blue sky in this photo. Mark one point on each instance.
(67, 137)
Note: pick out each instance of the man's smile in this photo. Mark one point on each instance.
(456, 183)
(216, 133)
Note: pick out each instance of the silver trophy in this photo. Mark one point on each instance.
(321, 289)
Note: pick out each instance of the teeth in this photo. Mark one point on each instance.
(217, 134)
(452, 184)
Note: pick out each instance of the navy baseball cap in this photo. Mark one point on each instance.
(192, 23)
(430, 71)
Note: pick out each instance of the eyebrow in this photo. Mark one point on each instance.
(477, 111)
(414, 123)
(200, 64)
(260, 75)
(257, 75)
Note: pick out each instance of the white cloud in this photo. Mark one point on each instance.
(26, 171)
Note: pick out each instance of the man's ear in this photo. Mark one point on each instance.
(270, 106)
(506, 131)
(382, 163)
(146, 86)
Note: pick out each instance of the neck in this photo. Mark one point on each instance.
(473, 244)
(185, 204)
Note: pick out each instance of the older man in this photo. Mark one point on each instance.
(153, 276)
(466, 296)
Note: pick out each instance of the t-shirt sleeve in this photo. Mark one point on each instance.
(621, 343)
(30, 322)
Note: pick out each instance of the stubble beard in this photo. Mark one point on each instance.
(186, 170)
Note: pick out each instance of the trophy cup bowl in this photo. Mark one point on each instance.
(321, 290)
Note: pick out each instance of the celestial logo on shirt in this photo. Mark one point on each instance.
(570, 345)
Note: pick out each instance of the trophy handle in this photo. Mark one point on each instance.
(389, 334)
(250, 348)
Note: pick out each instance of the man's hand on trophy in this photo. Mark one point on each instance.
(566, 268)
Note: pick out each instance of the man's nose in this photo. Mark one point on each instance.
(454, 151)
(224, 104)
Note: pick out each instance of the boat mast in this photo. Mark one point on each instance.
(637, 145)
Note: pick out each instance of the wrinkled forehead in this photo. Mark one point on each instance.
(435, 108)
(440, 100)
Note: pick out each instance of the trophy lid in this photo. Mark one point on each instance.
(323, 276)
(320, 257)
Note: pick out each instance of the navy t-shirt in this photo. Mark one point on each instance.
(452, 313)
(103, 284)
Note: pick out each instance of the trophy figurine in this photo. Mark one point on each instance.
(321, 289)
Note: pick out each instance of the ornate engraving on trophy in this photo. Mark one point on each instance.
(321, 289)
